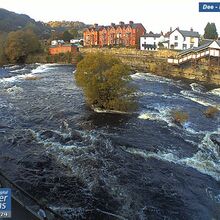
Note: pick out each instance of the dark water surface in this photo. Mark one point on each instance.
(91, 165)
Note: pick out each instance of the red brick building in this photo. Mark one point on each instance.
(121, 35)
(63, 48)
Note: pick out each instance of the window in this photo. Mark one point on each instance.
(176, 44)
(192, 40)
(176, 37)
(184, 46)
(184, 38)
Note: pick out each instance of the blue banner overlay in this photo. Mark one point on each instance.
(5, 203)
(209, 6)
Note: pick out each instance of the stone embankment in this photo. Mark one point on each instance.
(205, 70)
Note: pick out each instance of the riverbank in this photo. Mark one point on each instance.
(205, 71)
(156, 62)
(45, 58)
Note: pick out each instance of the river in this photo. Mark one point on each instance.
(89, 165)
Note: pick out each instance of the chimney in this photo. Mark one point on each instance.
(170, 29)
(112, 24)
(131, 22)
(121, 23)
(191, 29)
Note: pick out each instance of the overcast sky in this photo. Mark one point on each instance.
(155, 15)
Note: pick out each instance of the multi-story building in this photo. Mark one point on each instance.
(182, 40)
(114, 35)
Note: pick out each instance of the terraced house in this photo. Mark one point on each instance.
(114, 35)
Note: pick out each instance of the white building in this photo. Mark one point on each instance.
(56, 42)
(182, 40)
(75, 41)
(150, 41)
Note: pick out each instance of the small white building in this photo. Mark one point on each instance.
(76, 41)
(150, 41)
(56, 42)
(182, 40)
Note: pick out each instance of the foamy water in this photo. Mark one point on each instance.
(200, 100)
(16, 78)
(216, 91)
(201, 161)
(44, 67)
(14, 90)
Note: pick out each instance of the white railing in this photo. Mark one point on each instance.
(194, 55)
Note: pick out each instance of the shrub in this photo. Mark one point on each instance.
(211, 111)
(78, 57)
(179, 117)
(105, 82)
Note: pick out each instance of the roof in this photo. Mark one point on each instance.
(205, 41)
(201, 47)
(151, 35)
(189, 33)
(97, 28)
(186, 33)
(134, 25)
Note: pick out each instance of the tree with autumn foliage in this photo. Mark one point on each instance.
(20, 44)
(105, 81)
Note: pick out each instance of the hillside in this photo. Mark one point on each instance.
(61, 26)
(11, 21)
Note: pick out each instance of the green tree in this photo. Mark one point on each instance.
(20, 44)
(210, 31)
(105, 81)
(74, 33)
(67, 36)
